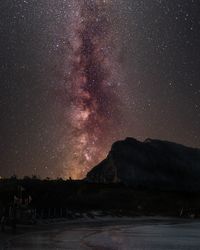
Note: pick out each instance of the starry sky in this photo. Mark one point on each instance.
(77, 75)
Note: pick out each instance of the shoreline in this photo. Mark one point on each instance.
(43, 225)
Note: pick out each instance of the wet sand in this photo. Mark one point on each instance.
(115, 234)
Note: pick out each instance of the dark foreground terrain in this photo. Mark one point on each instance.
(72, 199)
(80, 215)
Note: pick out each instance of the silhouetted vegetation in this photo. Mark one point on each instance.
(115, 199)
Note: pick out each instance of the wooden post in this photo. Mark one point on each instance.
(42, 213)
(66, 212)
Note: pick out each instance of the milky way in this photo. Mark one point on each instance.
(92, 83)
(77, 75)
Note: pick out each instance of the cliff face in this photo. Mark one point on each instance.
(152, 163)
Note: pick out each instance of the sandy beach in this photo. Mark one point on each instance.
(108, 234)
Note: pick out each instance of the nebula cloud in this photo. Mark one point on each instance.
(92, 83)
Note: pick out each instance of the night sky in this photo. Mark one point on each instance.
(77, 75)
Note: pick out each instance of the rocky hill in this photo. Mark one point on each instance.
(150, 164)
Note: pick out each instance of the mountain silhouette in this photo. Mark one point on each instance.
(150, 164)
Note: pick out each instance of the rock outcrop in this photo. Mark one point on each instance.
(150, 164)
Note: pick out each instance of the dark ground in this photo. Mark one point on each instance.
(78, 197)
